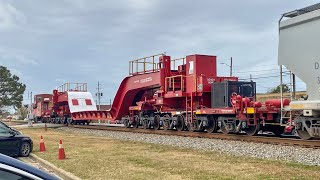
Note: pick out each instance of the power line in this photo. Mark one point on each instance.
(262, 77)
(256, 71)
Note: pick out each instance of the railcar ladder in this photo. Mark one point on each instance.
(189, 107)
(286, 113)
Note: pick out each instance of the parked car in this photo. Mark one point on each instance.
(13, 143)
(13, 169)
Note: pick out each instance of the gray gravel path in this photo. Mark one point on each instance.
(266, 151)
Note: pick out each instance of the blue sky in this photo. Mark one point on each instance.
(48, 43)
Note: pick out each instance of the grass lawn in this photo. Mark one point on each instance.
(90, 157)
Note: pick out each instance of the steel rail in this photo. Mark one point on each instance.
(315, 144)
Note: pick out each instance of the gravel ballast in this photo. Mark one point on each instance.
(305, 156)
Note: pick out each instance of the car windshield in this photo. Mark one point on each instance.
(3, 125)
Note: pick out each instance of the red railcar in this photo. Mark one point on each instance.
(66, 99)
(190, 96)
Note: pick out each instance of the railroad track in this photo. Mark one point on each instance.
(315, 144)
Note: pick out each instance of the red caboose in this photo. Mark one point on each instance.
(42, 107)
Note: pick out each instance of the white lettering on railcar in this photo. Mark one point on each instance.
(145, 80)
(211, 80)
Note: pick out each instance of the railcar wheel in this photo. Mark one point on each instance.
(301, 123)
(136, 121)
(156, 122)
(252, 130)
(225, 128)
(180, 123)
(69, 120)
(191, 126)
(212, 126)
(166, 122)
(303, 134)
(126, 122)
(145, 122)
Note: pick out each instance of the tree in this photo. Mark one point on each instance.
(285, 88)
(11, 90)
(23, 112)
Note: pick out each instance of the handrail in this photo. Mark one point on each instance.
(178, 59)
(182, 81)
(73, 87)
(182, 77)
(149, 60)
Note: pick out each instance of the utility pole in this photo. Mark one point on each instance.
(30, 116)
(30, 101)
(250, 77)
(231, 67)
(99, 97)
(99, 94)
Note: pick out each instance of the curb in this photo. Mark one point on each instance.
(60, 172)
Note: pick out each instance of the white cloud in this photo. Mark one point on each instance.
(10, 17)
(141, 4)
(14, 58)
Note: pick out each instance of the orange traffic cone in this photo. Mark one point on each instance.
(61, 154)
(42, 146)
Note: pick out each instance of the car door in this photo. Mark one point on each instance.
(9, 144)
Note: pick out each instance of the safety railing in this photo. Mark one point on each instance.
(83, 87)
(144, 65)
(175, 63)
(171, 82)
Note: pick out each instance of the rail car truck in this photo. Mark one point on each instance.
(299, 52)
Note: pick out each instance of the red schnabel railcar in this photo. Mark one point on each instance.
(189, 96)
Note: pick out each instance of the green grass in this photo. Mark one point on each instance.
(91, 157)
